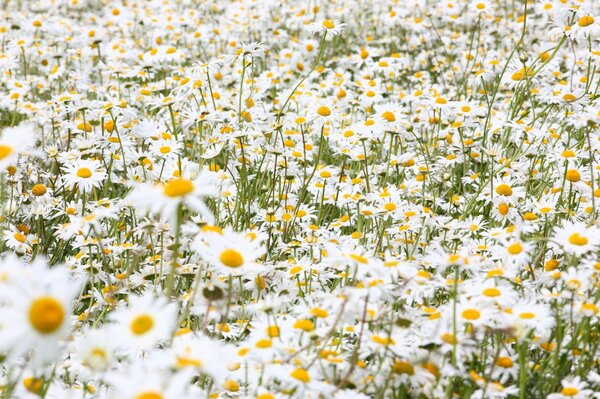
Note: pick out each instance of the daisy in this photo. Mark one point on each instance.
(572, 388)
(330, 26)
(84, 174)
(323, 112)
(575, 238)
(230, 252)
(513, 251)
(38, 302)
(96, 349)
(481, 6)
(18, 240)
(146, 321)
(14, 141)
(164, 199)
(474, 312)
(191, 351)
(587, 25)
(145, 380)
(531, 316)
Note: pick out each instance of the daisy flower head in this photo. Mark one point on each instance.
(18, 239)
(513, 251)
(164, 199)
(572, 388)
(36, 316)
(146, 379)
(330, 27)
(85, 174)
(476, 313)
(14, 141)
(587, 25)
(575, 238)
(481, 7)
(531, 316)
(518, 73)
(145, 321)
(324, 112)
(231, 252)
(95, 349)
(390, 199)
(189, 351)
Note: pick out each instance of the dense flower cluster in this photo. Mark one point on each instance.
(299, 199)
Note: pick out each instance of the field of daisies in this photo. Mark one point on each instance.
(285, 199)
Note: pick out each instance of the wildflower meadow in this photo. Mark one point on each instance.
(289, 199)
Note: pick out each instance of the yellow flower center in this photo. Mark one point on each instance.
(522, 74)
(569, 97)
(504, 189)
(33, 384)
(577, 239)
(529, 216)
(5, 151)
(491, 292)
(38, 190)
(503, 209)
(304, 325)
(272, 331)
(301, 375)
(264, 343)
(99, 353)
(231, 385)
(448, 338)
(188, 362)
(471, 314)
(319, 312)
(568, 153)
(324, 111)
(573, 175)
(515, 248)
(46, 315)
(586, 20)
(389, 116)
(328, 24)
(142, 324)
(84, 173)
(20, 237)
(504, 362)
(178, 188)
(527, 315)
(403, 367)
(569, 391)
(390, 206)
(359, 259)
(231, 258)
(149, 395)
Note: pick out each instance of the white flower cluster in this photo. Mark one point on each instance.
(299, 199)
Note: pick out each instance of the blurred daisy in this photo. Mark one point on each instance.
(145, 380)
(14, 141)
(95, 349)
(575, 238)
(37, 310)
(145, 321)
(165, 198)
(329, 26)
(231, 252)
(572, 388)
